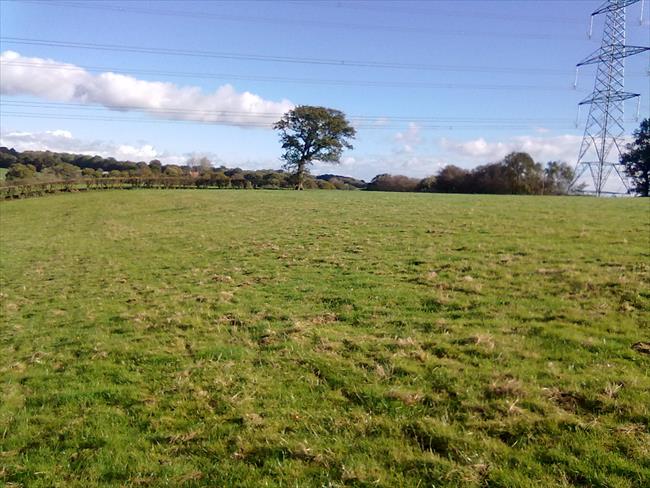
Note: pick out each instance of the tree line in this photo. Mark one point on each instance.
(517, 173)
(47, 166)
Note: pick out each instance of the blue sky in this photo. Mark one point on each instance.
(460, 82)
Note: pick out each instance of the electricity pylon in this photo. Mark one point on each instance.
(604, 129)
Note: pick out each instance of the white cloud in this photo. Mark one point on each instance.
(145, 152)
(367, 167)
(66, 134)
(407, 154)
(412, 155)
(480, 151)
(63, 82)
(64, 141)
(410, 137)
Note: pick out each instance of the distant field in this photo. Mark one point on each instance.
(278, 338)
(3, 173)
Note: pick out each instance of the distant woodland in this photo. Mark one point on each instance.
(517, 173)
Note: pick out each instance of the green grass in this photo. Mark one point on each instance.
(3, 173)
(253, 338)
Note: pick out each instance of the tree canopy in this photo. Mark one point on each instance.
(515, 173)
(309, 134)
(636, 160)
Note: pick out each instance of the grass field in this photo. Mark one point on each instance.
(260, 338)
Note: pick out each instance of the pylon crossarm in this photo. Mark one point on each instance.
(609, 6)
(611, 52)
(613, 97)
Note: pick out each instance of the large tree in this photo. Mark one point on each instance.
(311, 134)
(452, 179)
(557, 178)
(523, 175)
(637, 160)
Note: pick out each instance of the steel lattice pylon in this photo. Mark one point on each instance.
(604, 129)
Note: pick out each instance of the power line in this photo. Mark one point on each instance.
(275, 115)
(241, 124)
(154, 110)
(207, 16)
(441, 12)
(268, 118)
(38, 115)
(384, 8)
(272, 58)
(309, 81)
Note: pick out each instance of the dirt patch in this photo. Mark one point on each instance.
(631, 429)
(326, 318)
(642, 347)
(572, 401)
(222, 278)
(431, 275)
(406, 397)
(485, 340)
(231, 320)
(226, 296)
(253, 420)
(505, 387)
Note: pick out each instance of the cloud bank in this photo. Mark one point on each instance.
(542, 149)
(64, 141)
(60, 140)
(63, 82)
(409, 138)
